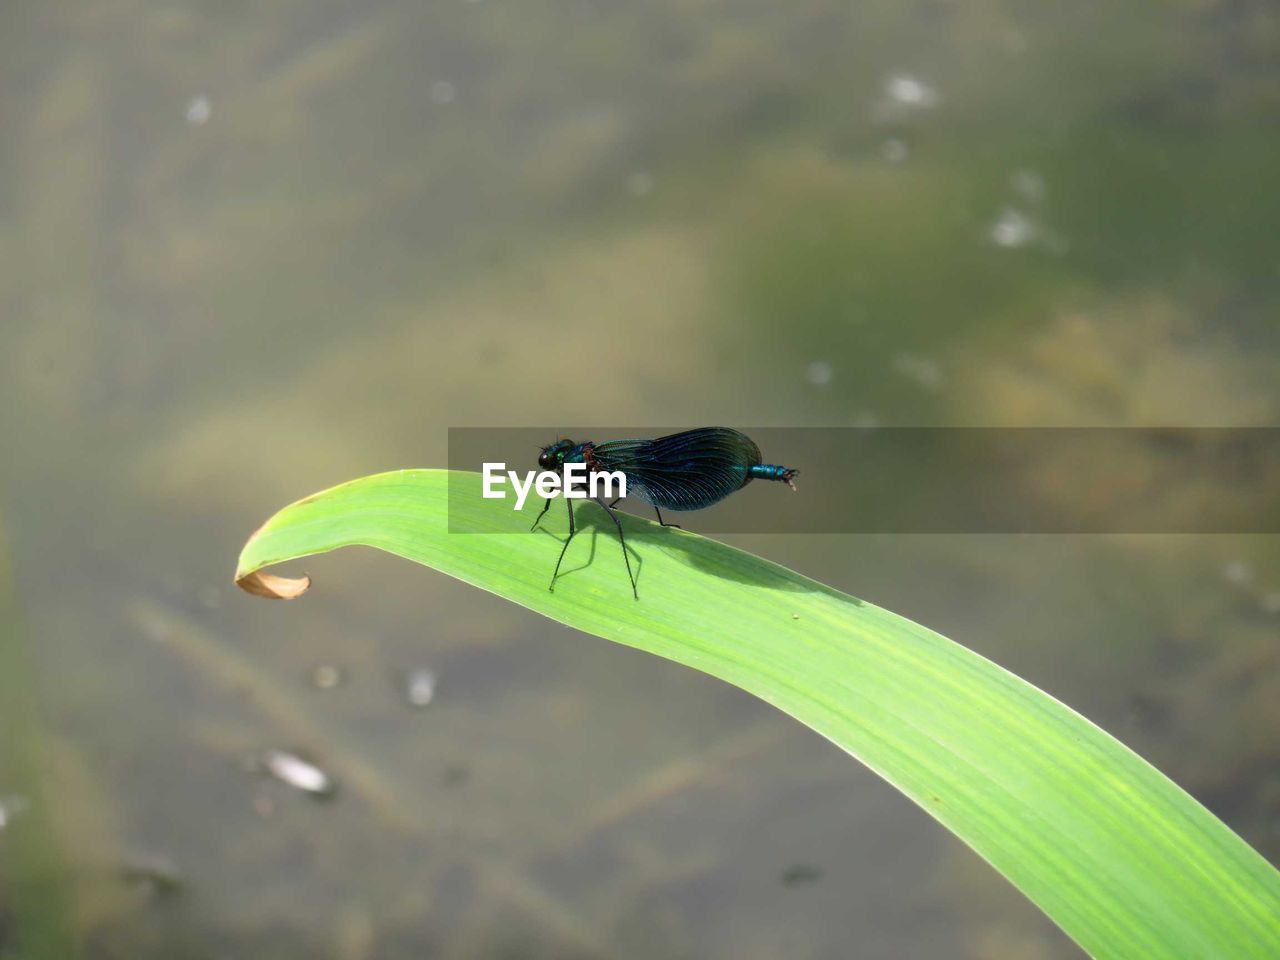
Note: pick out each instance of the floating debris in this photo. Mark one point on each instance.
(11, 807)
(901, 96)
(210, 596)
(326, 676)
(819, 373)
(800, 873)
(910, 91)
(1270, 602)
(442, 91)
(419, 687)
(293, 770)
(1013, 228)
(198, 111)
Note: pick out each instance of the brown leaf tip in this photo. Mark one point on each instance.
(273, 587)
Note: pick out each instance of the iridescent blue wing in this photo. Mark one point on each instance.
(684, 471)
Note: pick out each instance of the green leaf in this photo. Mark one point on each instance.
(1123, 860)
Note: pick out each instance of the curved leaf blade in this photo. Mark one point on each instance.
(1128, 864)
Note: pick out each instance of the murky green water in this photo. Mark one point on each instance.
(247, 251)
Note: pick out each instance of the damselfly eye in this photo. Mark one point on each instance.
(552, 457)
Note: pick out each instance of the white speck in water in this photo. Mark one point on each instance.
(11, 807)
(442, 91)
(818, 373)
(419, 687)
(210, 596)
(640, 184)
(1029, 185)
(300, 774)
(910, 91)
(922, 370)
(326, 676)
(901, 96)
(1013, 228)
(894, 151)
(866, 420)
(199, 110)
(1237, 572)
(1270, 602)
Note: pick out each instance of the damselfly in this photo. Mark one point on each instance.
(683, 471)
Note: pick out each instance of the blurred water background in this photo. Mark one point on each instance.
(251, 250)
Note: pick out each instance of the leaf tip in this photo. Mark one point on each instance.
(273, 587)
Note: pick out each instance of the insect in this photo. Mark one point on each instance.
(683, 471)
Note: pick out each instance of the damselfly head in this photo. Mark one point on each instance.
(553, 454)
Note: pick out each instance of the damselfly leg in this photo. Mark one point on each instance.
(623, 540)
(572, 530)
